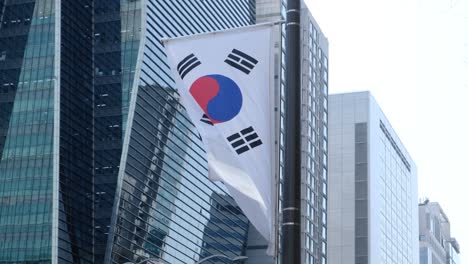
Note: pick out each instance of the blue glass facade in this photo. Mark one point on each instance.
(226, 230)
(46, 150)
(117, 29)
(75, 138)
(27, 84)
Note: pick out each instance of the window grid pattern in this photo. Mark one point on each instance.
(396, 211)
(314, 133)
(75, 216)
(117, 34)
(26, 129)
(361, 185)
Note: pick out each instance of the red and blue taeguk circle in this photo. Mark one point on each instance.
(218, 96)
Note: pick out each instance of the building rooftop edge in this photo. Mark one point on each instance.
(387, 122)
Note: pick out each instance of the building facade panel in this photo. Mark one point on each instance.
(27, 42)
(75, 161)
(117, 35)
(314, 116)
(393, 195)
(373, 180)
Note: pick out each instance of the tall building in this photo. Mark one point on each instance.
(46, 138)
(436, 244)
(314, 118)
(372, 215)
(85, 92)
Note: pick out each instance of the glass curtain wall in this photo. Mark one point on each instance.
(75, 216)
(117, 33)
(27, 37)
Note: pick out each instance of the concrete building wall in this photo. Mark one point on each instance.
(268, 10)
(341, 230)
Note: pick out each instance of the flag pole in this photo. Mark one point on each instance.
(291, 224)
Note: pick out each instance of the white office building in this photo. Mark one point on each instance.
(373, 204)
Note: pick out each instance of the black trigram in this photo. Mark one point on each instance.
(245, 140)
(187, 64)
(205, 119)
(241, 61)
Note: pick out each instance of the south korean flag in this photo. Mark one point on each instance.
(226, 85)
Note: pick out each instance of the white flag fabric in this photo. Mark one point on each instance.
(225, 83)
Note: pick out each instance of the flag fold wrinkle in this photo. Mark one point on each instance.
(225, 81)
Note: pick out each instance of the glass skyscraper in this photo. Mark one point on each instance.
(27, 90)
(85, 92)
(46, 166)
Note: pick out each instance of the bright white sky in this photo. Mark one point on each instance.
(413, 56)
